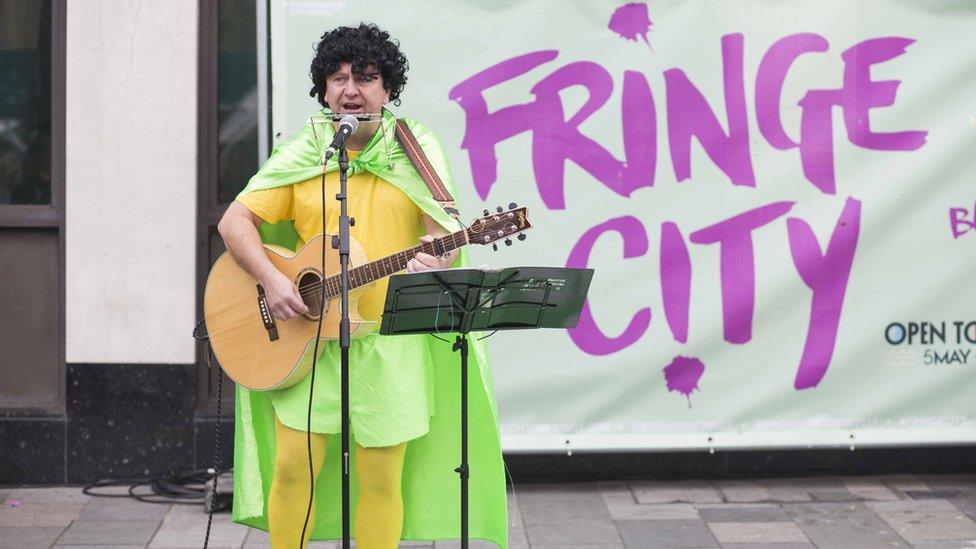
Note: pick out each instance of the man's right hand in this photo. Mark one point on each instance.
(282, 296)
(239, 229)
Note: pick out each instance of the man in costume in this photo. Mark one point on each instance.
(404, 410)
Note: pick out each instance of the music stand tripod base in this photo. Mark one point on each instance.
(459, 301)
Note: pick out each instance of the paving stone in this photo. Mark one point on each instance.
(195, 513)
(842, 525)
(947, 544)
(40, 514)
(576, 546)
(537, 509)
(123, 509)
(517, 538)
(456, 544)
(574, 515)
(623, 507)
(871, 490)
(964, 484)
(940, 493)
(925, 520)
(256, 539)
(72, 546)
(665, 533)
(966, 504)
(743, 512)
(757, 532)
(555, 491)
(613, 488)
(768, 546)
(190, 533)
(785, 491)
(514, 511)
(19, 537)
(776, 490)
(832, 495)
(63, 494)
(904, 483)
(576, 532)
(675, 492)
(743, 491)
(827, 489)
(107, 532)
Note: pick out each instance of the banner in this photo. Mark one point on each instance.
(778, 199)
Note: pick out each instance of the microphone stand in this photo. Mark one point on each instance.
(341, 243)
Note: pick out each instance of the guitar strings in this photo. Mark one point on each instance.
(332, 280)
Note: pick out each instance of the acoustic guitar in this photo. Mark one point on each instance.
(261, 352)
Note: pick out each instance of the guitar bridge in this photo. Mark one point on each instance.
(266, 316)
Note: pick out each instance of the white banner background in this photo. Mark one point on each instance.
(909, 266)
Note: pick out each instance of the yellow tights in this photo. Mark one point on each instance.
(379, 516)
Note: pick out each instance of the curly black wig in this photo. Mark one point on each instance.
(363, 47)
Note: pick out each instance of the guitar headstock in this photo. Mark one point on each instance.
(502, 224)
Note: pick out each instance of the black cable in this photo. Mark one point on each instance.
(216, 452)
(184, 487)
(311, 385)
(463, 227)
(198, 335)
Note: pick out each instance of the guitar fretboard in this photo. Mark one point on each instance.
(392, 264)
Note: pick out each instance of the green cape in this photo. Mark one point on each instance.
(431, 488)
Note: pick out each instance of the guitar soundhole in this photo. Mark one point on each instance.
(309, 285)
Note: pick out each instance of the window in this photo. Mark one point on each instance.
(25, 101)
(32, 38)
(237, 97)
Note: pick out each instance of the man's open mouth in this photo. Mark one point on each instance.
(352, 107)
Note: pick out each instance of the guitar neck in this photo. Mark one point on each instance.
(392, 264)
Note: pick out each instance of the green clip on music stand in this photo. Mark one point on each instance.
(459, 301)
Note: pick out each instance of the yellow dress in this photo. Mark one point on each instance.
(390, 383)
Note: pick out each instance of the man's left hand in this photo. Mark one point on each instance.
(427, 262)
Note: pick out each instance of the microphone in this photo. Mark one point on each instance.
(347, 125)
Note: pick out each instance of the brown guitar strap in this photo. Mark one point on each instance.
(420, 163)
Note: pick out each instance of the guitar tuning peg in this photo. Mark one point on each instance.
(508, 241)
(494, 247)
(499, 209)
(486, 212)
(512, 205)
(521, 236)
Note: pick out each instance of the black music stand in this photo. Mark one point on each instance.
(459, 301)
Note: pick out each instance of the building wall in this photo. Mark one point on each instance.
(131, 181)
(130, 253)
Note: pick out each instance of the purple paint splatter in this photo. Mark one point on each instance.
(683, 375)
(631, 21)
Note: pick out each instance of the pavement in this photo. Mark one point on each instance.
(827, 512)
